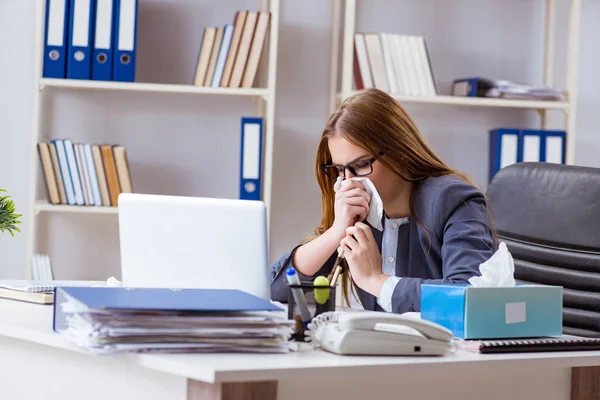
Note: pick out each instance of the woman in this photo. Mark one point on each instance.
(436, 224)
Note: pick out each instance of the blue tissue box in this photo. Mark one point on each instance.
(494, 312)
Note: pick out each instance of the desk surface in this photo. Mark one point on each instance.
(33, 323)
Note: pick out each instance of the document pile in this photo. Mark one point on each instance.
(118, 320)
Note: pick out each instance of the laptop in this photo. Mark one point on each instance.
(193, 242)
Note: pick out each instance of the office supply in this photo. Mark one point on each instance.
(251, 159)
(55, 39)
(214, 54)
(29, 297)
(504, 149)
(243, 50)
(470, 87)
(45, 285)
(398, 64)
(79, 64)
(74, 171)
(100, 175)
(258, 42)
(64, 171)
(92, 173)
(83, 175)
(521, 311)
(239, 20)
(223, 51)
(102, 49)
(57, 174)
(337, 267)
(49, 175)
(228, 252)
(42, 267)
(292, 278)
(485, 87)
(125, 38)
(110, 170)
(542, 344)
(376, 333)
(531, 145)
(123, 319)
(553, 147)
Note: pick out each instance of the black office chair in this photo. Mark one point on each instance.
(549, 217)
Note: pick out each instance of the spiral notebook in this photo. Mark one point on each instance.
(542, 344)
(43, 286)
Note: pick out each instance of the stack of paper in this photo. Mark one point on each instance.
(117, 320)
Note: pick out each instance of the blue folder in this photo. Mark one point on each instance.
(55, 39)
(162, 299)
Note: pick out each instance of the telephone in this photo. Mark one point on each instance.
(377, 333)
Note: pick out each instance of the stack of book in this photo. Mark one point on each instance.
(110, 320)
(84, 174)
(397, 64)
(229, 55)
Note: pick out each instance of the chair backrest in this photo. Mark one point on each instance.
(549, 217)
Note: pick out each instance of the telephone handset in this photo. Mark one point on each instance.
(378, 333)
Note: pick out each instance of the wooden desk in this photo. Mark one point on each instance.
(37, 363)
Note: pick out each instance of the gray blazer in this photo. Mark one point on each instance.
(454, 237)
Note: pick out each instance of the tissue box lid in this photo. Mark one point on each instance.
(496, 312)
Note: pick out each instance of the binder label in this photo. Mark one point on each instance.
(56, 22)
(509, 150)
(531, 148)
(554, 149)
(127, 25)
(251, 146)
(103, 24)
(81, 21)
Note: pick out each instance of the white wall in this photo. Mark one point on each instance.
(167, 136)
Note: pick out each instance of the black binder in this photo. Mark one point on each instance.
(544, 344)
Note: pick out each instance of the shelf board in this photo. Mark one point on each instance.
(43, 206)
(149, 87)
(481, 102)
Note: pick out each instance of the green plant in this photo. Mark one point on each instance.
(8, 218)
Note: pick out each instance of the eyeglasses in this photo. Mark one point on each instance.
(357, 168)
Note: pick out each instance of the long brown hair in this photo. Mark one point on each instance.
(375, 121)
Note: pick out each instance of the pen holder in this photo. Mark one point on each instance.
(326, 302)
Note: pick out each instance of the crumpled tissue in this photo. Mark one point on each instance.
(498, 271)
(375, 206)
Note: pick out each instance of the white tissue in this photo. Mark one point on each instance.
(375, 206)
(498, 271)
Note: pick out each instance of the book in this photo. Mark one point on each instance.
(529, 345)
(102, 170)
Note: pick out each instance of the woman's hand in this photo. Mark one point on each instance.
(364, 259)
(351, 205)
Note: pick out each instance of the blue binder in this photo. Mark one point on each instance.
(55, 39)
(554, 146)
(110, 299)
(531, 145)
(102, 51)
(505, 148)
(79, 64)
(125, 38)
(251, 159)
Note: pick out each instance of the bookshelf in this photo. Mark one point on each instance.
(343, 26)
(262, 94)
